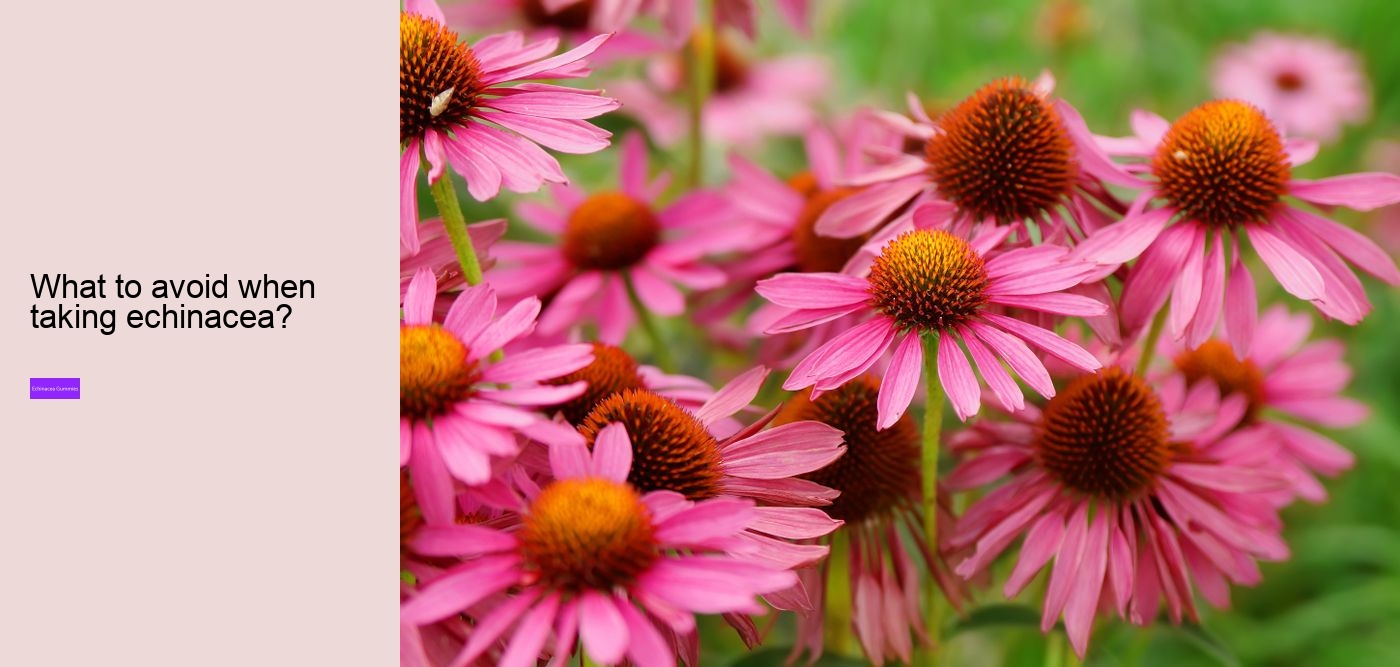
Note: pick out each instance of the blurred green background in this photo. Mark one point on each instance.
(1337, 600)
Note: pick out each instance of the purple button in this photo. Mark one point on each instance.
(54, 388)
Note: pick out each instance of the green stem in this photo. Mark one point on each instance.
(1054, 649)
(838, 595)
(933, 425)
(659, 349)
(445, 196)
(1149, 344)
(700, 55)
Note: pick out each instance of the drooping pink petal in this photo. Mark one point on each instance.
(956, 375)
(459, 588)
(431, 481)
(1208, 308)
(541, 363)
(1000, 382)
(1017, 355)
(901, 381)
(408, 197)
(646, 647)
(1348, 243)
(1294, 272)
(1186, 289)
(1047, 340)
(853, 350)
(1041, 544)
(495, 622)
(1084, 598)
(528, 640)
(1241, 308)
(602, 628)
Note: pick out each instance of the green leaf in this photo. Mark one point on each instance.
(1208, 644)
(776, 656)
(997, 615)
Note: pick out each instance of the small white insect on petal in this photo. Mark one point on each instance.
(440, 101)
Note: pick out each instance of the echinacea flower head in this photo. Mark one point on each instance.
(610, 241)
(1311, 87)
(592, 558)
(1222, 172)
(934, 283)
(879, 481)
(459, 407)
(1010, 153)
(676, 449)
(614, 371)
(1136, 494)
(460, 104)
(1289, 384)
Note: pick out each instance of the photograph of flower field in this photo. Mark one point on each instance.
(790, 332)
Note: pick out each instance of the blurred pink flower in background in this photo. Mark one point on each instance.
(455, 108)
(572, 21)
(610, 240)
(752, 99)
(679, 16)
(1311, 87)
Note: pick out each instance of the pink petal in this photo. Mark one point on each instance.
(783, 451)
(704, 521)
(1186, 290)
(408, 197)
(602, 628)
(570, 460)
(1041, 544)
(418, 300)
(1294, 272)
(1126, 239)
(1362, 192)
(1349, 243)
(612, 453)
(657, 295)
(1000, 382)
(795, 523)
(1017, 355)
(461, 540)
(901, 380)
(1064, 575)
(1084, 599)
(431, 482)
(866, 209)
(1241, 309)
(733, 397)
(1047, 340)
(460, 588)
(540, 363)
(646, 647)
(530, 634)
(1208, 309)
(855, 349)
(814, 290)
(956, 375)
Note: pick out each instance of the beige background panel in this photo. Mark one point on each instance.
(216, 497)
